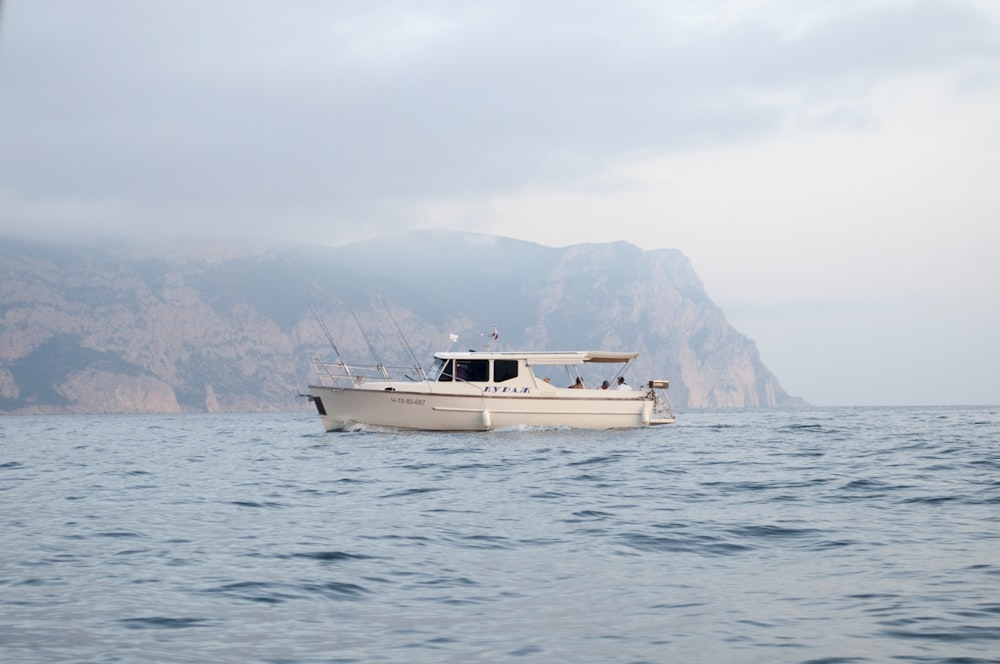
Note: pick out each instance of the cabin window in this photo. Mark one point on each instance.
(473, 371)
(504, 370)
(447, 371)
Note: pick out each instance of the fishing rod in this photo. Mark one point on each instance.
(416, 362)
(378, 362)
(326, 330)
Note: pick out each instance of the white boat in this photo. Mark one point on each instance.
(480, 391)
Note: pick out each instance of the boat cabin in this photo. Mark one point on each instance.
(517, 369)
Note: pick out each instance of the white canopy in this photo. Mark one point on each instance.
(546, 358)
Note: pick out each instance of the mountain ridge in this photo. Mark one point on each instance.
(125, 328)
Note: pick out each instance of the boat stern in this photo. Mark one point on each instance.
(663, 408)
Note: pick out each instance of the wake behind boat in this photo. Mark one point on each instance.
(480, 391)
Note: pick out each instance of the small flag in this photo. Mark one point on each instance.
(494, 335)
(454, 338)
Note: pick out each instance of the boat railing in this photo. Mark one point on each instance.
(341, 374)
(663, 407)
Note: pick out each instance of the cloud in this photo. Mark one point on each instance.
(254, 117)
(840, 153)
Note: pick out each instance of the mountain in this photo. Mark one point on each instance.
(120, 328)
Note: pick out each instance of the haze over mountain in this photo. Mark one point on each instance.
(123, 328)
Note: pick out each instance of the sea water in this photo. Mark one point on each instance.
(827, 535)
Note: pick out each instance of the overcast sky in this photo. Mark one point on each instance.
(831, 168)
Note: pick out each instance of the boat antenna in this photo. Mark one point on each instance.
(416, 362)
(378, 362)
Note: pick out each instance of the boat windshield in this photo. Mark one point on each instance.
(435, 371)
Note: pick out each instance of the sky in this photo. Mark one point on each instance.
(830, 168)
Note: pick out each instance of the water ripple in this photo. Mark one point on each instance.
(821, 536)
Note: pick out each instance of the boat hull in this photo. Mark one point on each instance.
(341, 408)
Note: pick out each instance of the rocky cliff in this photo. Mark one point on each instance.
(112, 329)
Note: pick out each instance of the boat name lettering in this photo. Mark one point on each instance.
(408, 401)
(506, 390)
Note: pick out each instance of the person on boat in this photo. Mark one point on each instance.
(622, 385)
(605, 385)
(578, 385)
